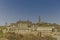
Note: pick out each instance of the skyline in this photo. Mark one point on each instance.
(14, 10)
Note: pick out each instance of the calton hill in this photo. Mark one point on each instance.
(13, 36)
(26, 30)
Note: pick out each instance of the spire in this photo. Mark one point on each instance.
(39, 20)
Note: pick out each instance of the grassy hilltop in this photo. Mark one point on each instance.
(13, 36)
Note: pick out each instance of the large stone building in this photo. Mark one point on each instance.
(23, 27)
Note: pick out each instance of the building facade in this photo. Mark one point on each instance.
(24, 27)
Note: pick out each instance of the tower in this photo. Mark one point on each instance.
(39, 20)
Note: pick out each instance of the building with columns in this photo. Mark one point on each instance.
(23, 27)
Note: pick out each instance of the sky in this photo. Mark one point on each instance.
(14, 10)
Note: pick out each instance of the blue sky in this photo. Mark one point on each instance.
(14, 10)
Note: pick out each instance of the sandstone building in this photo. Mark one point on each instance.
(23, 27)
